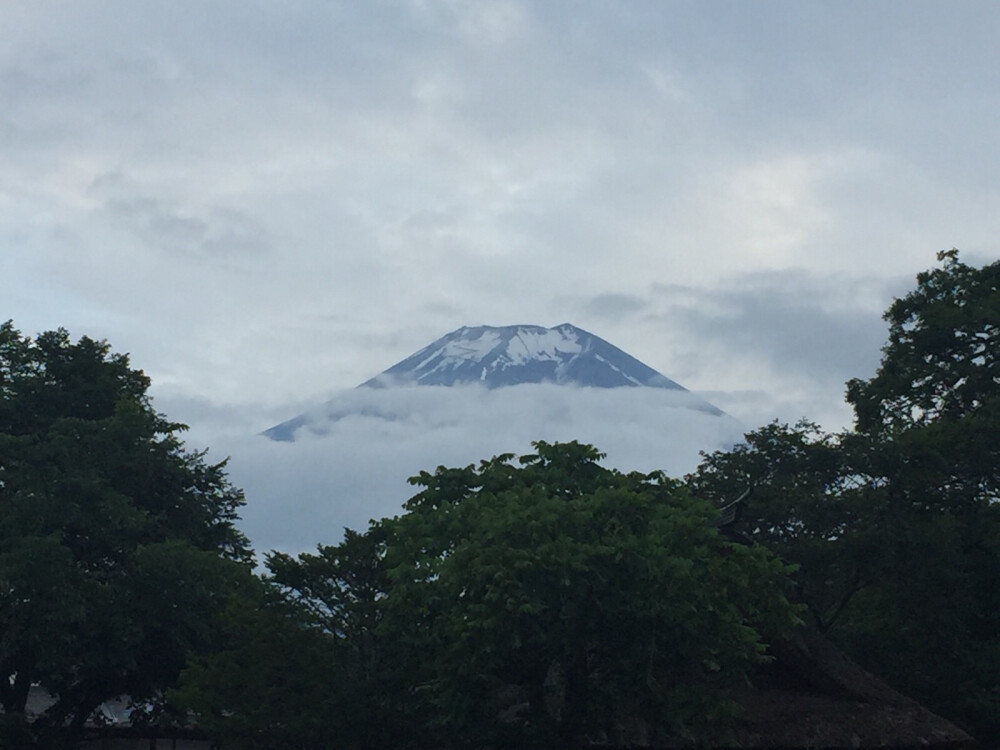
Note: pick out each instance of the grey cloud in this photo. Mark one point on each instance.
(154, 221)
(796, 321)
(763, 345)
(210, 232)
(442, 309)
(615, 306)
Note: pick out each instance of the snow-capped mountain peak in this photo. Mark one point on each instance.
(511, 355)
(496, 358)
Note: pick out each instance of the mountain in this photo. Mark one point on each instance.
(513, 355)
(500, 357)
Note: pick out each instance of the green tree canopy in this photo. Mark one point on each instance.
(554, 570)
(536, 602)
(942, 360)
(808, 506)
(305, 662)
(933, 407)
(116, 544)
(896, 523)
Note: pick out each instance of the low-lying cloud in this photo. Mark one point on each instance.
(343, 472)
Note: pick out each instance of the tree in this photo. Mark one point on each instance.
(545, 602)
(538, 604)
(896, 524)
(808, 505)
(934, 404)
(596, 598)
(304, 663)
(116, 544)
(930, 422)
(942, 360)
(274, 681)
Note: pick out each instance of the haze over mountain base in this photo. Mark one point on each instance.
(344, 471)
(470, 395)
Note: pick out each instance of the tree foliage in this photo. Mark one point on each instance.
(942, 360)
(808, 506)
(596, 597)
(116, 544)
(896, 523)
(273, 681)
(540, 602)
(305, 663)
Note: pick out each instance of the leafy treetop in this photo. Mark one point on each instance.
(116, 544)
(896, 524)
(545, 601)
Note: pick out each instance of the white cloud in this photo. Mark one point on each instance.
(303, 493)
(773, 207)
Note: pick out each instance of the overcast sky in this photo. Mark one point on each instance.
(267, 203)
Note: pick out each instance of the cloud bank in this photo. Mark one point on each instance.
(344, 472)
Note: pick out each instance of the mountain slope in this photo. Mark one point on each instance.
(500, 357)
(511, 355)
